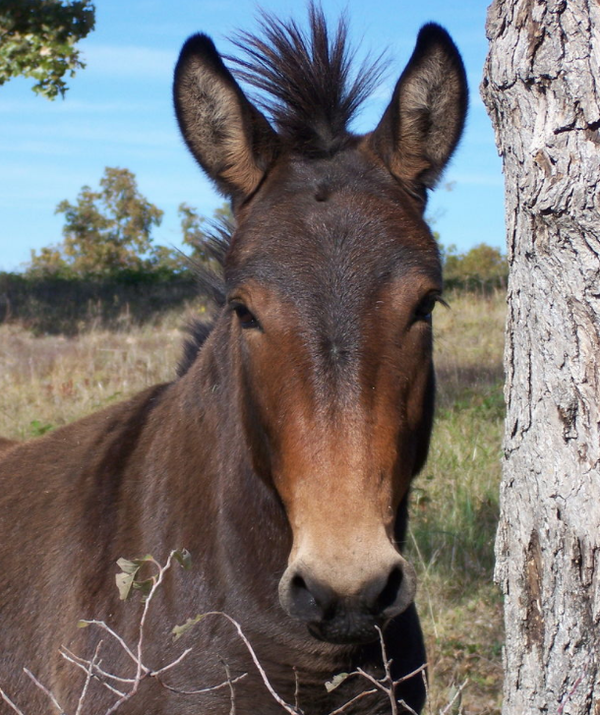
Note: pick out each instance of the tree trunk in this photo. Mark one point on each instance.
(541, 88)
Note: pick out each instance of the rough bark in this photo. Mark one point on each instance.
(541, 88)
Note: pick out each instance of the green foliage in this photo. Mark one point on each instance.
(191, 225)
(37, 39)
(37, 428)
(194, 235)
(129, 579)
(105, 232)
(109, 233)
(482, 265)
(178, 631)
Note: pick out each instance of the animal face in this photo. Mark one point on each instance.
(331, 282)
(331, 277)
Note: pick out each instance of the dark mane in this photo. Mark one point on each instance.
(311, 96)
(211, 287)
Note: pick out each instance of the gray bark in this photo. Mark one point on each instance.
(541, 88)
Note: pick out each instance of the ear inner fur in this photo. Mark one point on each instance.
(423, 123)
(228, 136)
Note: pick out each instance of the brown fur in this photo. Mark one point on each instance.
(282, 456)
(6, 444)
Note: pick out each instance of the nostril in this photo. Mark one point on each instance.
(389, 594)
(304, 603)
(310, 600)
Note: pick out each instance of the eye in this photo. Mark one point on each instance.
(426, 306)
(246, 318)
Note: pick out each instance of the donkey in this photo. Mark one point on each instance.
(282, 455)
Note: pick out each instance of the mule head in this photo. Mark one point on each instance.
(332, 276)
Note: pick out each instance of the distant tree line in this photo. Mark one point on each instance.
(108, 233)
(481, 268)
(108, 270)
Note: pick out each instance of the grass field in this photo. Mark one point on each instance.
(50, 381)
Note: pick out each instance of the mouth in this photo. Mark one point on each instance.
(345, 631)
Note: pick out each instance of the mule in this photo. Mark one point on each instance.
(282, 455)
(6, 443)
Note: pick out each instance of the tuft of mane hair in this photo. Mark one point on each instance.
(306, 77)
(211, 286)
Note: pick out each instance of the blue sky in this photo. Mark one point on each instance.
(118, 112)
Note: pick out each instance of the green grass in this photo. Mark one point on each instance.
(48, 381)
(455, 509)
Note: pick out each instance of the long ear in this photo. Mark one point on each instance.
(228, 136)
(423, 123)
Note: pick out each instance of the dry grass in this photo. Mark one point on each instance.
(50, 381)
(455, 509)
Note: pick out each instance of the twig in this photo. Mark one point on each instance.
(88, 678)
(98, 676)
(355, 699)
(202, 691)
(446, 710)
(427, 699)
(296, 689)
(407, 707)
(7, 700)
(380, 685)
(231, 688)
(82, 663)
(155, 673)
(141, 670)
(116, 636)
(45, 690)
(286, 706)
(386, 684)
(389, 681)
(421, 669)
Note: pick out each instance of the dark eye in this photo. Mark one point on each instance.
(246, 318)
(426, 306)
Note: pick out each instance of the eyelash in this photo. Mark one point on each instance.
(426, 306)
(246, 318)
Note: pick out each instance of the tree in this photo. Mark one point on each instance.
(38, 37)
(541, 87)
(194, 235)
(482, 264)
(105, 231)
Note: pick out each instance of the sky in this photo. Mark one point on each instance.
(118, 112)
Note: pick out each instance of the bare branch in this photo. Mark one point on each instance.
(45, 690)
(116, 636)
(88, 678)
(296, 689)
(457, 694)
(10, 703)
(83, 664)
(156, 673)
(355, 699)
(286, 706)
(201, 691)
(421, 669)
(232, 709)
